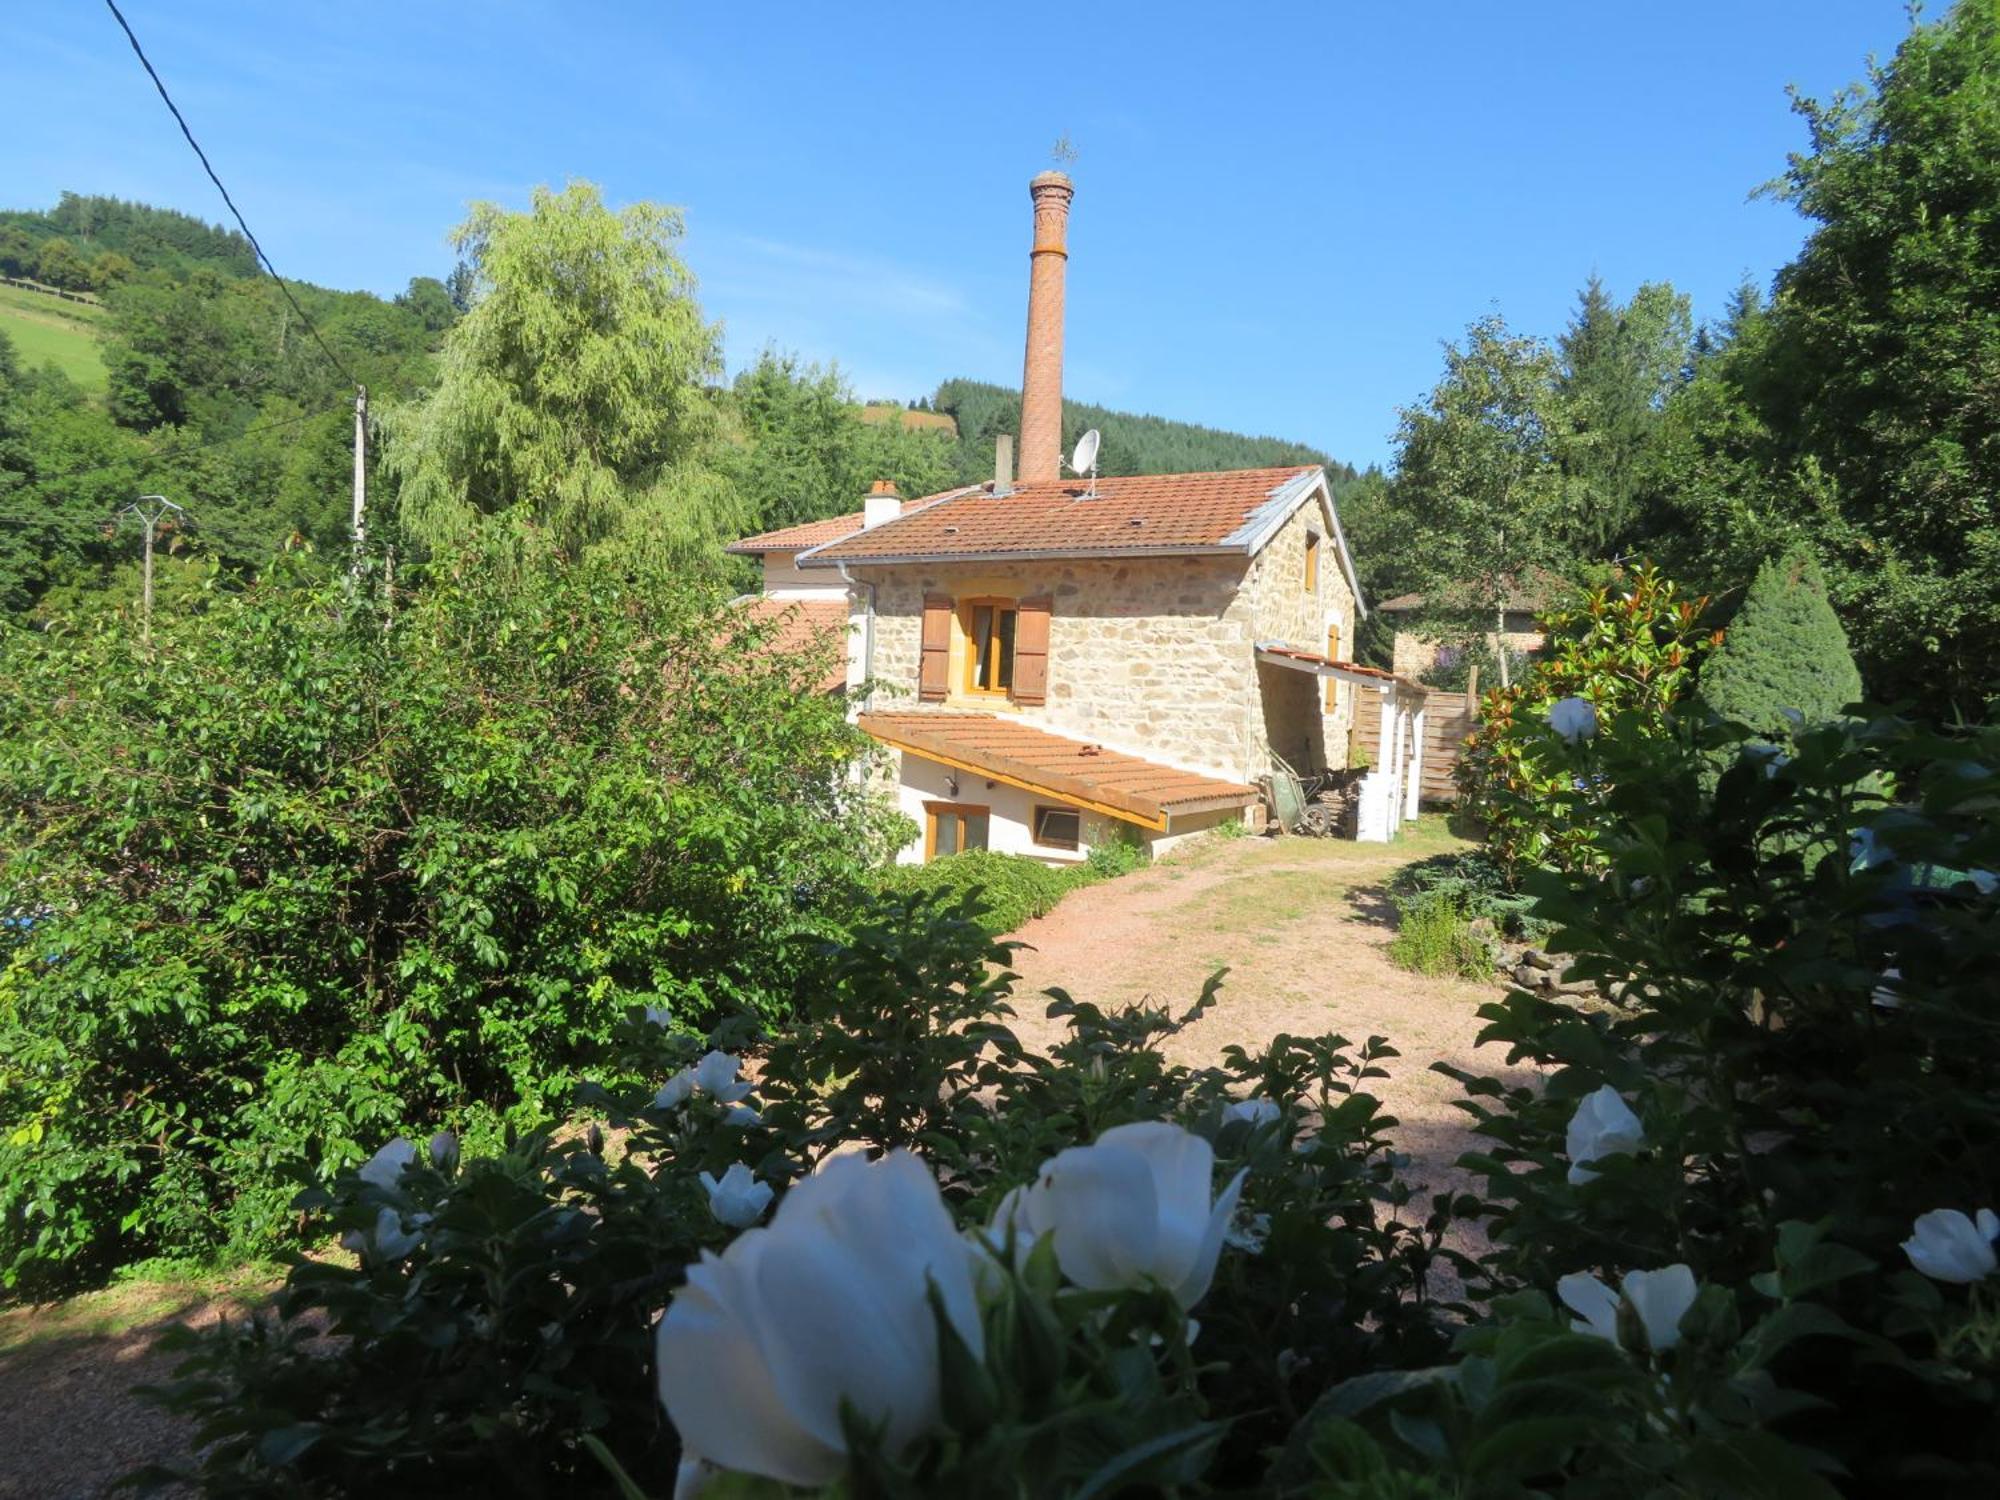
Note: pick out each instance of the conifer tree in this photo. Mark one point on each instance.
(1784, 650)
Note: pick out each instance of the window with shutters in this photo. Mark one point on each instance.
(1312, 562)
(1001, 649)
(953, 828)
(1333, 654)
(989, 626)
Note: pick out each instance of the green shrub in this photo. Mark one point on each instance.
(1475, 882)
(1800, 959)
(510, 1328)
(1007, 889)
(296, 877)
(1630, 651)
(1785, 650)
(1122, 854)
(1434, 936)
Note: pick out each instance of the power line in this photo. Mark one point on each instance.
(241, 223)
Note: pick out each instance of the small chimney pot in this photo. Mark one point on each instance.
(881, 504)
(1003, 463)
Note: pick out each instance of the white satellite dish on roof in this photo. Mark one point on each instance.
(1084, 460)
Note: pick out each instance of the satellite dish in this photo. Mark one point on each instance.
(1084, 460)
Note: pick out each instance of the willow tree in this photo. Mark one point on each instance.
(577, 389)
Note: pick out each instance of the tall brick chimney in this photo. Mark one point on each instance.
(1041, 375)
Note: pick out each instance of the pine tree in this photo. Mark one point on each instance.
(1784, 650)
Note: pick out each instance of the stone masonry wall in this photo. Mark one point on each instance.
(1276, 606)
(1153, 656)
(1146, 655)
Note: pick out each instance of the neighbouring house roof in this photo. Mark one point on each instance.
(1231, 511)
(802, 624)
(832, 529)
(1298, 659)
(1074, 771)
(1516, 596)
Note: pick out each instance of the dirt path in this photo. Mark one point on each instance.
(1303, 926)
(70, 1426)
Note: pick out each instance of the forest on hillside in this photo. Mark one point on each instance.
(220, 396)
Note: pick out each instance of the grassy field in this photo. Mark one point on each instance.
(48, 330)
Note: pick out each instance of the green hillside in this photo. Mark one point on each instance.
(50, 330)
(1133, 443)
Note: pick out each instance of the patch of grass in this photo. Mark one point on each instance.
(1272, 897)
(1434, 937)
(48, 330)
(138, 1302)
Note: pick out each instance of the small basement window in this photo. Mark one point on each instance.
(1058, 827)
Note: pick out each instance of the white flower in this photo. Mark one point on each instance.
(658, 1015)
(715, 1075)
(1602, 1126)
(1573, 718)
(444, 1150)
(828, 1304)
(1947, 1246)
(674, 1092)
(386, 1167)
(739, 1199)
(1259, 1112)
(1660, 1298)
(387, 1240)
(1136, 1206)
(742, 1116)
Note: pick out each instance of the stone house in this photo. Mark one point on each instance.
(1415, 652)
(1053, 662)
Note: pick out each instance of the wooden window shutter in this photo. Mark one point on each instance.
(1031, 651)
(934, 671)
(1333, 683)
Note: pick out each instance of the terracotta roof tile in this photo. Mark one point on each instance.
(813, 533)
(1140, 791)
(1147, 513)
(1345, 668)
(803, 624)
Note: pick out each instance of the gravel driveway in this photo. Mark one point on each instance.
(1303, 926)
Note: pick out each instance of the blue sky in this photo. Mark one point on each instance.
(1281, 209)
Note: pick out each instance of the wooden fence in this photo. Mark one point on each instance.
(1448, 719)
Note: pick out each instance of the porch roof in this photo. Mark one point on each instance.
(1073, 771)
(1278, 654)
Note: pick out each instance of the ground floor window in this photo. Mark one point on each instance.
(1058, 827)
(953, 827)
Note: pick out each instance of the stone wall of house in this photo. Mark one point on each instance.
(1146, 655)
(1414, 654)
(1293, 719)
(1151, 656)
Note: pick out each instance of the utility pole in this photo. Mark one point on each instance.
(360, 528)
(150, 509)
